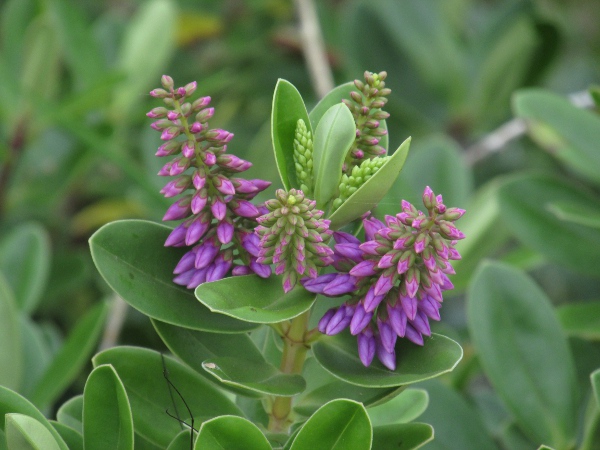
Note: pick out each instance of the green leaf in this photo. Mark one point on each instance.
(25, 261)
(11, 345)
(71, 358)
(595, 377)
(402, 436)
(372, 191)
(257, 376)
(581, 319)
(580, 214)
(457, 425)
(404, 408)
(530, 220)
(254, 299)
(334, 136)
(288, 107)
(338, 354)
(141, 371)
(26, 433)
(107, 421)
(523, 352)
(338, 425)
(72, 438)
(15, 17)
(131, 256)
(146, 48)
(231, 433)
(323, 387)
(183, 441)
(71, 413)
(11, 402)
(570, 133)
(334, 97)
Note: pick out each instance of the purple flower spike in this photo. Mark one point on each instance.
(197, 279)
(262, 270)
(387, 335)
(218, 208)
(388, 359)
(409, 305)
(196, 230)
(184, 278)
(177, 236)
(413, 335)
(366, 346)
(372, 226)
(326, 319)
(421, 324)
(360, 319)
(244, 208)
(345, 238)
(364, 269)
(340, 285)
(349, 251)
(340, 320)
(316, 285)
(206, 254)
(185, 263)
(178, 210)
(397, 319)
(372, 301)
(384, 284)
(225, 232)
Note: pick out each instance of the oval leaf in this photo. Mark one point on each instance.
(581, 319)
(530, 220)
(11, 402)
(26, 433)
(71, 358)
(11, 354)
(254, 299)
(141, 371)
(338, 354)
(523, 352)
(288, 107)
(404, 408)
(338, 425)
(131, 256)
(107, 421)
(25, 261)
(183, 441)
(582, 214)
(72, 438)
(71, 413)
(372, 191)
(231, 433)
(257, 376)
(402, 436)
(333, 138)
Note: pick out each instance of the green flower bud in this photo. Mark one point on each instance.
(303, 159)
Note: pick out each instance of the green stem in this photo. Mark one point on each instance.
(292, 361)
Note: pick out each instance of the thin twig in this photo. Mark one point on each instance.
(114, 324)
(313, 47)
(497, 139)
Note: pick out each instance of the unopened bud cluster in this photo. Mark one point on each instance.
(365, 104)
(303, 157)
(396, 278)
(218, 216)
(358, 176)
(293, 236)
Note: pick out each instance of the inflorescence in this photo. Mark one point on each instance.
(218, 216)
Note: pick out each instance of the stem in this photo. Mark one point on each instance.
(292, 361)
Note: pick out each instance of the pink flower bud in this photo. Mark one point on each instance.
(167, 82)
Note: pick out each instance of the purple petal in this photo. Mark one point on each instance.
(366, 347)
(262, 270)
(316, 285)
(177, 236)
(326, 319)
(206, 254)
(185, 263)
(421, 324)
(388, 359)
(387, 335)
(345, 238)
(198, 278)
(384, 284)
(397, 319)
(371, 301)
(342, 284)
(360, 320)
(340, 320)
(350, 251)
(364, 269)
(409, 305)
(225, 232)
(413, 335)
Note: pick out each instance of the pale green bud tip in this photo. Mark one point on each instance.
(291, 200)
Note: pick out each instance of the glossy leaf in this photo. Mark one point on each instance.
(372, 191)
(338, 425)
(334, 136)
(25, 262)
(530, 220)
(26, 433)
(402, 436)
(11, 402)
(72, 438)
(257, 376)
(183, 441)
(322, 387)
(231, 433)
(338, 354)
(571, 133)
(11, 345)
(404, 408)
(71, 413)
(288, 108)
(131, 256)
(107, 421)
(581, 214)
(523, 352)
(334, 97)
(457, 425)
(71, 358)
(254, 299)
(581, 319)
(141, 371)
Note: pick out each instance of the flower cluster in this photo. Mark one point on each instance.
(218, 216)
(358, 176)
(293, 236)
(395, 278)
(303, 157)
(365, 105)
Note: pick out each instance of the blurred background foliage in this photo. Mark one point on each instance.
(76, 150)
